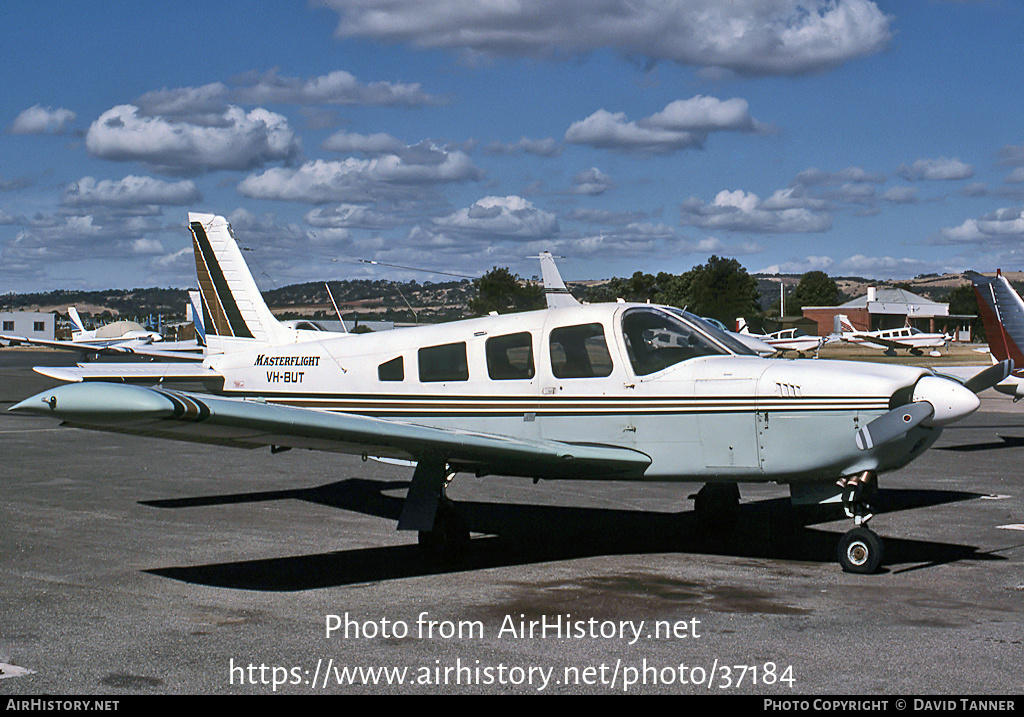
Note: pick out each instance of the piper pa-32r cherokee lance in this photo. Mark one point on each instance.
(607, 391)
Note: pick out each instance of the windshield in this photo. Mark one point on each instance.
(656, 340)
(728, 341)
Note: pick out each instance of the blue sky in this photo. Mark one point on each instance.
(878, 139)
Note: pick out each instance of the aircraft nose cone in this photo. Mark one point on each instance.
(951, 400)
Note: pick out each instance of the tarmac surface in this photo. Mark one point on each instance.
(139, 566)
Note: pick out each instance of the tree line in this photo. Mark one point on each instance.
(720, 289)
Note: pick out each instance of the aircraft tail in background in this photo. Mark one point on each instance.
(555, 292)
(1002, 313)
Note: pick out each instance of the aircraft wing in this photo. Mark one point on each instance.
(139, 349)
(887, 343)
(245, 423)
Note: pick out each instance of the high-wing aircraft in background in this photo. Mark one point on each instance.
(615, 391)
(907, 337)
(1002, 313)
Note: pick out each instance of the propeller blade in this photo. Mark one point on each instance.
(893, 424)
(990, 376)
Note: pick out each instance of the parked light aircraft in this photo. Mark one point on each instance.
(786, 340)
(1002, 312)
(907, 337)
(117, 338)
(614, 391)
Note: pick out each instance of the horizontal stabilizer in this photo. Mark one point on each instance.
(146, 373)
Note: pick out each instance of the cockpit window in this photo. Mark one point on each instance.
(729, 342)
(580, 352)
(510, 356)
(656, 340)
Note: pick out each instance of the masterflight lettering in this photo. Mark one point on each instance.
(264, 360)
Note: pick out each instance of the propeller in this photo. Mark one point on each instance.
(893, 424)
(990, 376)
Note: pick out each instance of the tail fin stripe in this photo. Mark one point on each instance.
(225, 318)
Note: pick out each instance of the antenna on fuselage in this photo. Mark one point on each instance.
(335, 305)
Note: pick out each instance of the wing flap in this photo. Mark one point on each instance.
(252, 423)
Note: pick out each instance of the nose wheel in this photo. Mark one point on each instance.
(860, 550)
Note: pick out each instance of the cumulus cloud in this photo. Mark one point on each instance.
(42, 120)
(940, 168)
(357, 180)
(740, 211)
(128, 192)
(335, 88)
(371, 144)
(591, 182)
(508, 217)
(611, 130)
(759, 37)
(1006, 224)
(206, 104)
(876, 266)
(705, 114)
(799, 266)
(683, 124)
(540, 147)
(349, 216)
(245, 140)
(900, 195)
(857, 175)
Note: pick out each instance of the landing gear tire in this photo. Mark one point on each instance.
(716, 505)
(450, 534)
(860, 551)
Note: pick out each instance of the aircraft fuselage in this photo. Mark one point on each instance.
(705, 418)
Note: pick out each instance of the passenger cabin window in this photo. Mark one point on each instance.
(510, 356)
(444, 363)
(580, 352)
(393, 370)
(8, 326)
(656, 340)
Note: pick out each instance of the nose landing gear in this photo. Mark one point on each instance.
(860, 550)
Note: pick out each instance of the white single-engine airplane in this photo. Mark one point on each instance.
(594, 392)
(786, 340)
(907, 337)
(119, 337)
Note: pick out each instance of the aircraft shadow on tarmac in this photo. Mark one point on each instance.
(1004, 442)
(516, 534)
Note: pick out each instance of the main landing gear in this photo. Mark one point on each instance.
(860, 549)
(716, 504)
(428, 510)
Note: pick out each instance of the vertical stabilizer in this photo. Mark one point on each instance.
(555, 293)
(76, 319)
(233, 312)
(195, 301)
